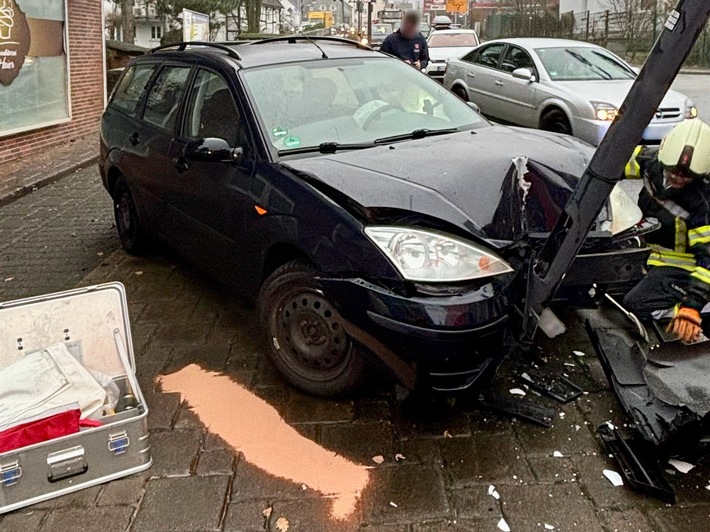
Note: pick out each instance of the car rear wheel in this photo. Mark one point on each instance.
(307, 339)
(556, 121)
(461, 93)
(132, 236)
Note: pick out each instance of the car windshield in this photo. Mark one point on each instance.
(582, 64)
(351, 101)
(381, 30)
(450, 40)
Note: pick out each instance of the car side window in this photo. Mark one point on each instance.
(163, 101)
(490, 55)
(517, 58)
(212, 111)
(129, 90)
(470, 57)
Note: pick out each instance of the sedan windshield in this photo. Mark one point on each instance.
(582, 64)
(336, 103)
(450, 40)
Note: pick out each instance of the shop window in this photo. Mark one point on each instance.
(34, 74)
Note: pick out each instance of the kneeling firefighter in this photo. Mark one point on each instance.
(676, 191)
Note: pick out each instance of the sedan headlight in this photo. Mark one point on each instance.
(691, 112)
(604, 111)
(428, 256)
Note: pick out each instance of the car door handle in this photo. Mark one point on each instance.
(470, 75)
(498, 83)
(135, 139)
(181, 164)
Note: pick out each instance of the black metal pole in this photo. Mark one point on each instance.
(680, 32)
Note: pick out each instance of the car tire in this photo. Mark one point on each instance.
(556, 121)
(130, 233)
(460, 92)
(307, 342)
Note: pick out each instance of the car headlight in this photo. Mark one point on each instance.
(692, 112)
(429, 256)
(604, 111)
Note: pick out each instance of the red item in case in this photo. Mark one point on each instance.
(40, 430)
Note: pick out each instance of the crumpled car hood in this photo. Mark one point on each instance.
(457, 178)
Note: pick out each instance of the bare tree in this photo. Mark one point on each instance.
(128, 31)
(634, 19)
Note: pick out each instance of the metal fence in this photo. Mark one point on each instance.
(629, 34)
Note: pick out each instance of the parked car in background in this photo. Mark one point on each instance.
(564, 86)
(379, 34)
(424, 29)
(447, 44)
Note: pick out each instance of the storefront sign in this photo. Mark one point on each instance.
(14, 41)
(456, 6)
(195, 26)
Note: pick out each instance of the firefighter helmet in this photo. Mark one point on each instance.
(687, 148)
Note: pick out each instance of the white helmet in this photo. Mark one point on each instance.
(687, 148)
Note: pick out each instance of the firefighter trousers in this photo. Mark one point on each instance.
(662, 288)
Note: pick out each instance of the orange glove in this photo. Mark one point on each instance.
(686, 324)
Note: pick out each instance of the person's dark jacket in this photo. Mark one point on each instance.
(412, 50)
(683, 241)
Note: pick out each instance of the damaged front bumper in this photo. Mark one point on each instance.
(446, 343)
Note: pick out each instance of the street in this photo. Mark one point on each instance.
(697, 87)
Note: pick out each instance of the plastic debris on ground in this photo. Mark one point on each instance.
(503, 525)
(378, 459)
(680, 465)
(578, 353)
(557, 454)
(399, 457)
(393, 504)
(493, 492)
(549, 527)
(517, 391)
(613, 477)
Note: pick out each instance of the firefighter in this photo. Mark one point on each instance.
(676, 191)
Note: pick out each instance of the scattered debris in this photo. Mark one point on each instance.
(493, 492)
(707, 487)
(282, 524)
(680, 465)
(578, 353)
(399, 457)
(9, 279)
(562, 415)
(393, 504)
(139, 272)
(549, 527)
(558, 387)
(557, 454)
(503, 525)
(267, 512)
(447, 434)
(378, 459)
(520, 408)
(613, 477)
(100, 254)
(304, 487)
(517, 391)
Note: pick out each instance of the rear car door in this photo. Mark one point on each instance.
(516, 99)
(481, 76)
(212, 196)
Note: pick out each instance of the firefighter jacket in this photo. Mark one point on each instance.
(683, 240)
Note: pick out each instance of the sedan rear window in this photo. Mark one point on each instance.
(452, 40)
(582, 64)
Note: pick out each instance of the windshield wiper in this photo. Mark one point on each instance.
(600, 71)
(327, 147)
(417, 134)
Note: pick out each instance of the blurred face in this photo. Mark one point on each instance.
(409, 28)
(676, 178)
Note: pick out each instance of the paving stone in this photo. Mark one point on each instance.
(422, 450)
(474, 502)
(563, 436)
(252, 483)
(563, 506)
(369, 409)
(308, 409)
(125, 491)
(219, 462)
(484, 459)
(360, 441)
(553, 469)
(162, 409)
(213, 442)
(103, 519)
(385, 528)
(675, 519)
(418, 416)
(417, 491)
(245, 516)
(21, 521)
(187, 419)
(457, 525)
(625, 521)
(174, 452)
(81, 498)
(186, 504)
(310, 515)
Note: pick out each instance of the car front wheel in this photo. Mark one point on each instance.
(556, 121)
(307, 340)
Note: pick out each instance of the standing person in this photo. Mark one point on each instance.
(407, 42)
(676, 192)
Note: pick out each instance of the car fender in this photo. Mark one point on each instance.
(553, 102)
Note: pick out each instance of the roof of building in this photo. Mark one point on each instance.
(125, 47)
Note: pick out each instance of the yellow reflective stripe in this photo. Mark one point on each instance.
(633, 170)
(701, 274)
(681, 235)
(699, 235)
(672, 260)
(669, 252)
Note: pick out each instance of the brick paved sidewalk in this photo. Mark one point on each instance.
(453, 453)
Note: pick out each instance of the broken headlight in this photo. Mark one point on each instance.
(429, 256)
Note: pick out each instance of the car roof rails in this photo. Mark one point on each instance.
(182, 46)
(293, 38)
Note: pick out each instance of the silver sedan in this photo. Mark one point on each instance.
(559, 85)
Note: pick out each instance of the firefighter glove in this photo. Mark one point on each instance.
(686, 324)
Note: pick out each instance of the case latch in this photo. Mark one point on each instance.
(10, 474)
(118, 443)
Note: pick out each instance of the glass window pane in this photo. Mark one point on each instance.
(163, 102)
(131, 87)
(212, 112)
(489, 56)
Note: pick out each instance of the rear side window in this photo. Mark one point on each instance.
(129, 90)
(490, 55)
(163, 103)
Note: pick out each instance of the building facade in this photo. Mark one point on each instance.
(51, 73)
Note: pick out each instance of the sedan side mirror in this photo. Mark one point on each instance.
(524, 73)
(212, 149)
(474, 107)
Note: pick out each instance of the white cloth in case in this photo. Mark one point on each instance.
(45, 380)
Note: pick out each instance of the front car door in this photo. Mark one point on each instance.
(481, 75)
(516, 99)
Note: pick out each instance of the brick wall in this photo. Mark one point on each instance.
(87, 85)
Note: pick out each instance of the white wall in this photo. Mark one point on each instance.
(593, 6)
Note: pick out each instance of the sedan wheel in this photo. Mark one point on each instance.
(126, 216)
(307, 339)
(461, 93)
(556, 121)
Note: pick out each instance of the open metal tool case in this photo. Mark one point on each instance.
(93, 324)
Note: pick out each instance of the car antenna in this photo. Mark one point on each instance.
(314, 43)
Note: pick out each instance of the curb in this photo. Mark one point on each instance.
(48, 180)
(695, 72)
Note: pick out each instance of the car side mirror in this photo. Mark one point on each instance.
(474, 106)
(524, 73)
(212, 149)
